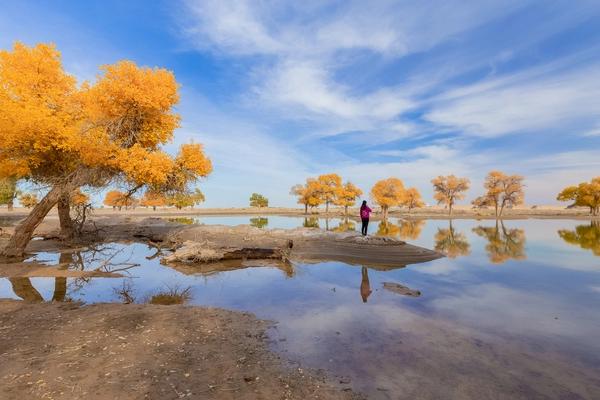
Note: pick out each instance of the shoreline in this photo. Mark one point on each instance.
(461, 212)
(132, 351)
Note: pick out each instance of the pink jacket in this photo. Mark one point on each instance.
(365, 212)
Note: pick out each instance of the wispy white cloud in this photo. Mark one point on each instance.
(522, 103)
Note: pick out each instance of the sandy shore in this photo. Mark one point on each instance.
(461, 211)
(116, 351)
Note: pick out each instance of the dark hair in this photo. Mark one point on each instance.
(364, 204)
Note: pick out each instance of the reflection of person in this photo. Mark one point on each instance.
(365, 287)
(365, 212)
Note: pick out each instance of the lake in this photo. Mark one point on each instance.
(513, 311)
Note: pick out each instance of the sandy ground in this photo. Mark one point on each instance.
(460, 211)
(116, 351)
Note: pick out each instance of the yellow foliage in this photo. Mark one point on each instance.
(449, 189)
(388, 193)
(53, 130)
(451, 243)
(501, 191)
(329, 187)
(153, 199)
(412, 199)
(79, 198)
(503, 244)
(346, 195)
(586, 194)
(28, 200)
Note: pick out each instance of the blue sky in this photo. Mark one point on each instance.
(279, 91)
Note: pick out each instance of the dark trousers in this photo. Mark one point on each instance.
(365, 224)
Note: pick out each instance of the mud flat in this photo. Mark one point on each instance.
(110, 351)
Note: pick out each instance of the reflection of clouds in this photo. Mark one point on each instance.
(595, 288)
(391, 347)
(506, 310)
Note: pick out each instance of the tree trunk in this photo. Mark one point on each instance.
(24, 231)
(67, 228)
(306, 209)
(346, 211)
(326, 207)
(385, 211)
(450, 208)
(60, 288)
(25, 290)
(153, 208)
(10, 205)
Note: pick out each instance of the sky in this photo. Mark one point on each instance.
(280, 91)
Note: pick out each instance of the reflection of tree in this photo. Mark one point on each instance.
(585, 236)
(25, 290)
(311, 222)
(386, 228)
(451, 243)
(345, 226)
(411, 228)
(503, 244)
(259, 222)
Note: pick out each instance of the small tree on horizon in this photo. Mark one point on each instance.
(412, 199)
(501, 191)
(586, 194)
(347, 195)
(153, 199)
(258, 200)
(388, 193)
(329, 188)
(449, 189)
(28, 200)
(307, 194)
(8, 192)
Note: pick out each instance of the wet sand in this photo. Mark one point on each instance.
(110, 351)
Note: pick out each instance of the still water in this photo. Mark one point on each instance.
(513, 311)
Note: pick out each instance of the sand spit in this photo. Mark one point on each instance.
(198, 243)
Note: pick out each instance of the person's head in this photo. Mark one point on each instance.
(364, 204)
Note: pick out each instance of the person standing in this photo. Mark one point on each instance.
(365, 212)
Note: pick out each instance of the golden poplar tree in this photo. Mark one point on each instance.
(65, 136)
(153, 199)
(412, 199)
(388, 193)
(329, 187)
(449, 189)
(347, 195)
(502, 191)
(586, 194)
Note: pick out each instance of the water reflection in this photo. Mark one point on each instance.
(345, 226)
(503, 244)
(410, 229)
(365, 286)
(451, 243)
(585, 236)
(259, 222)
(311, 222)
(527, 330)
(386, 228)
(23, 288)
